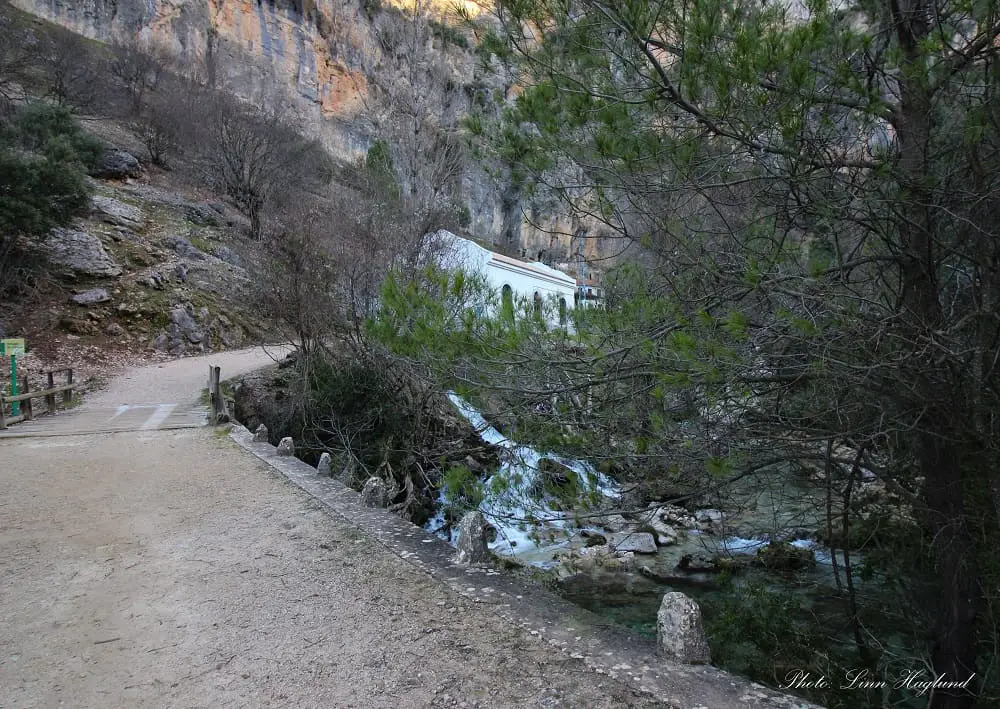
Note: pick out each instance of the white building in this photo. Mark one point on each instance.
(512, 279)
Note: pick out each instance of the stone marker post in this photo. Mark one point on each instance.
(679, 633)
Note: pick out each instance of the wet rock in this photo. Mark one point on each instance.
(614, 523)
(680, 636)
(665, 534)
(556, 473)
(710, 520)
(286, 447)
(787, 535)
(781, 556)
(696, 563)
(637, 542)
(116, 212)
(374, 493)
(80, 252)
(595, 540)
(634, 496)
(260, 435)
(473, 539)
(323, 466)
(89, 297)
(116, 164)
(675, 516)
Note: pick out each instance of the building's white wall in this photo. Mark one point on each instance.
(524, 279)
(525, 284)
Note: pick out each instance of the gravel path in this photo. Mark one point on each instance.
(172, 569)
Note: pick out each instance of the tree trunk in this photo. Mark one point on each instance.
(954, 649)
(938, 450)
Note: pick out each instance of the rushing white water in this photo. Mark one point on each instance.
(523, 519)
(508, 500)
(739, 545)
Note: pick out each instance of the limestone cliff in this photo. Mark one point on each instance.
(321, 57)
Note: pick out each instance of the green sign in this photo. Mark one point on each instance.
(11, 347)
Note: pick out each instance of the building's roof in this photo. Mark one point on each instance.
(463, 252)
(536, 268)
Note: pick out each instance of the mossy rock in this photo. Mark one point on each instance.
(781, 556)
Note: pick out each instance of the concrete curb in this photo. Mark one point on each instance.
(601, 646)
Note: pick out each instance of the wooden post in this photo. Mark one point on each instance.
(26, 404)
(3, 416)
(214, 393)
(50, 399)
(68, 394)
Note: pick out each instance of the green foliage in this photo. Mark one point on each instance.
(433, 317)
(378, 163)
(811, 258)
(463, 490)
(46, 128)
(757, 632)
(44, 155)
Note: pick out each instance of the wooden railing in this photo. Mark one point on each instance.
(220, 412)
(49, 394)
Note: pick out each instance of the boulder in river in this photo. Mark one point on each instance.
(709, 520)
(694, 563)
(638, 542)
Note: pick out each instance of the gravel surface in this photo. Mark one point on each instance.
(171, 569)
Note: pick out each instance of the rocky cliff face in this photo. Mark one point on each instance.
(320, 57)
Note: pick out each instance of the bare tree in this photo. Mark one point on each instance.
(72, 73)
(138, 70)
(296, 275)
(254, 154)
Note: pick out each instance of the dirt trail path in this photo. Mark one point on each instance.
(168, 568)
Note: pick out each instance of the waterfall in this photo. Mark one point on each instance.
(510, 499)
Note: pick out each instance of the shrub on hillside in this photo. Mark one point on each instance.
(44, 156)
